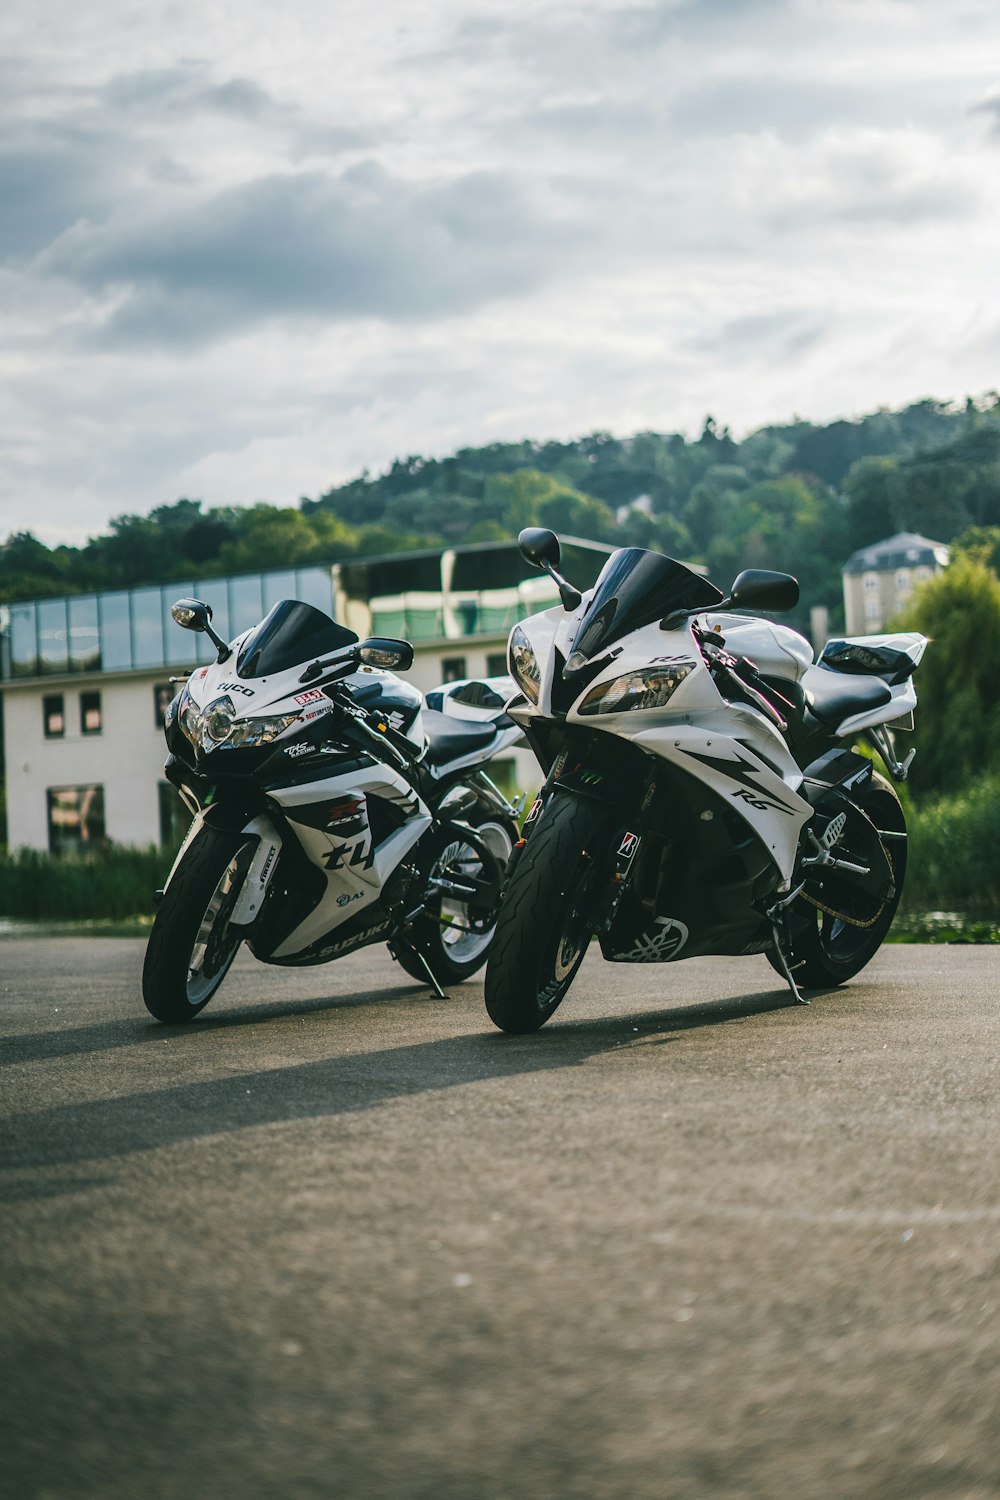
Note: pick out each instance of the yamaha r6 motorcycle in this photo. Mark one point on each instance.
(332, 808)
(701, 792)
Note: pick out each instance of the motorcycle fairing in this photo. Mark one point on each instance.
(354, 866)
(766, 801)
(699, 882)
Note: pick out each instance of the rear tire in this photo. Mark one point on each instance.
(828, 951)
(191, 947)
(547, 916)
(453, 938)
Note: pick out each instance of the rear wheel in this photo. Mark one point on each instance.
(835, 937)
(191, 945)
(547, 916)
(454, 936)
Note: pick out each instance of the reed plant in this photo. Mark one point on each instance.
(117, 882)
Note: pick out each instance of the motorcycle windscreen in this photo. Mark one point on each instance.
(291, 633)
(635, 588)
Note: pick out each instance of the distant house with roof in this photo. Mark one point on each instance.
(879, 580)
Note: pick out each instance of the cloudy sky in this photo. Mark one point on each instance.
(247, 249)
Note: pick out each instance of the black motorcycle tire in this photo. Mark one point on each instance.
(190, 947)
(445, 957)
(827, 951)
(546, 916)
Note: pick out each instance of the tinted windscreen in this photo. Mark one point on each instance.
(291, 633)
(636, 587)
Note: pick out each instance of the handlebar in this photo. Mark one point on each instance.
(743, 674)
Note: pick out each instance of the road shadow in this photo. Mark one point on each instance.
(139, 1030)
(104, 1129)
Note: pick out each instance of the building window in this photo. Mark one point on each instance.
(903, 581)
(90, 713)
(163, 696)
(496, 664)
(453, 668)
(923, 574)
(53, 716)
(76, 818)
(872, 610)
(871, 582)
(175, 819)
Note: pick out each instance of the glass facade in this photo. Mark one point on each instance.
(132, 629)
(422, 596)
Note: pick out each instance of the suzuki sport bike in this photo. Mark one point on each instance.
(332, 807)
(702, 794)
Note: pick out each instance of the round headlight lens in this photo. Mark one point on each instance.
(216, 723)
(651, 687)
(524, 664)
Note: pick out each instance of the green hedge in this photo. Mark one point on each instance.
(116, 883)
(953, 853)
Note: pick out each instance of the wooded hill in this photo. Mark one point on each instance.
(800, 497)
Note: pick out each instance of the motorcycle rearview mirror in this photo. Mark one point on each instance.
(195, 614)
(540, 548)
(383, 651)
(759, 588)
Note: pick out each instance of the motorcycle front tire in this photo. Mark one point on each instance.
(547, 916)
(191, 947)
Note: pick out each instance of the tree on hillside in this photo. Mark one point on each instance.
(30, 570)
(528, 498)
(868, 491)
(958, 695)
(981, 543)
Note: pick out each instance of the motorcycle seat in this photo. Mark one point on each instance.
(833, 696)
(448, 737)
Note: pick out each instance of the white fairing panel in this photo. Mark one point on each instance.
(776, 650)
(355, 871)
(765, 800)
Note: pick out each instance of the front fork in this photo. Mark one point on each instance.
(620, 847)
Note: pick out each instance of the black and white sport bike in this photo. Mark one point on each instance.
(332, 806)
(701, 793)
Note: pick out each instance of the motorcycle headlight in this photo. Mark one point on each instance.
(216, 723)
(650, 687)
(170, 712)
(524, 665)
(188, 716)
(249, 733)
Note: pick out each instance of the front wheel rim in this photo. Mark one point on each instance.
(214, 946)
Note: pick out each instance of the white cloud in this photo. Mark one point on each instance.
(248, 254)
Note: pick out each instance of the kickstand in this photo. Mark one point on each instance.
(431, 975)
(779, 950)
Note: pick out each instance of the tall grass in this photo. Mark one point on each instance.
(117, 882)
(954, 851)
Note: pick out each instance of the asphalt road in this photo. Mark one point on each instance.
(339, 1238)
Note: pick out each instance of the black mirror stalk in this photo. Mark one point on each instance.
(195, 614)
(540, 548)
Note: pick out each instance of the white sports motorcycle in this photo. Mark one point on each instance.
(332, 806)
(702, 795)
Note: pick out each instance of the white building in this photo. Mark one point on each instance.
(84, 679)
(879, 580)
